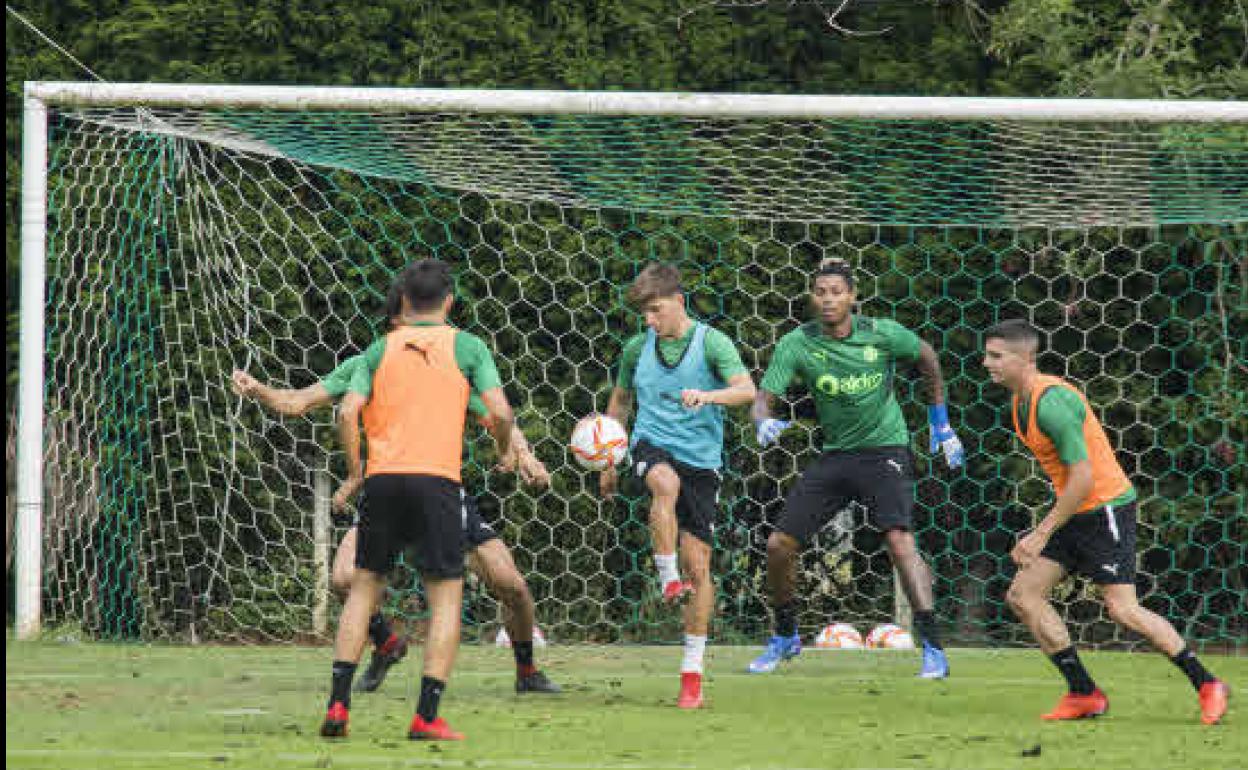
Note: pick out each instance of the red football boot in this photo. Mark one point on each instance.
(437, 730)
(335, 724)
(1213, 697)
(1074, 706)
(690, 691)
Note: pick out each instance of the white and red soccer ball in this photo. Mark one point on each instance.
(599, 442)
(839, 636)
(890, 637)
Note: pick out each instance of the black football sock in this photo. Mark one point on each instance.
(1077, 677)
(925, 625)
(786, 619)
(1188, 664)
(523, 651)
(430, 695)
(340, 692)
(378, 629)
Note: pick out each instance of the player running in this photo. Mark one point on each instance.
(1090, 530)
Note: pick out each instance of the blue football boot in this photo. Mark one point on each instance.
(935, 664)
(778, 648)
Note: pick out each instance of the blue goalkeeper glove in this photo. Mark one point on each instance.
(943, 436)
(767, 431)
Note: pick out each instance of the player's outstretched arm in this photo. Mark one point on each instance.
(349, 434)
(287, 401)
(620, 407)
(521, 458)
(942, 435)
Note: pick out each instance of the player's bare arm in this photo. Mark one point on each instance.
(349, 434)
(1078, 486)
(286, 401)
(502, 420)
(740, 391)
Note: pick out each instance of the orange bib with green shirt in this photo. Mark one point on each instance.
(1108, 479)
(414, 419)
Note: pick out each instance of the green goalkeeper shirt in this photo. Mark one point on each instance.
(851, 380)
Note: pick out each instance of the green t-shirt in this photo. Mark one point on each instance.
(471, 355)
(851, 379)
(1059, 416)
(721, 355)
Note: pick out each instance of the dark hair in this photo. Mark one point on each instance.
(835, 266)
(1014, 330)
(427, 283)
(394, 302)
(656, 280)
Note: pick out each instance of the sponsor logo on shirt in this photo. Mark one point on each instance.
(853, 385)
(870, 353)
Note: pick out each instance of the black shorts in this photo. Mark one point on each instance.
(476, 531)
(1098, 544)
(881, 478)
(698, 502)
(427, 514)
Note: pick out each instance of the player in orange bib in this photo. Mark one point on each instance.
(489, 558)
(412, 394)
(1090, 530)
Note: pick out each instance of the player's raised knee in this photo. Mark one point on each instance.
(663, 481)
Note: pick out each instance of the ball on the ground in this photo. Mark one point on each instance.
(503, 640)
(839, 636)
(599, 442)
(887, 636)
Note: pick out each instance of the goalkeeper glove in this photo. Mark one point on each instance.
(767, 431)
(943, 436)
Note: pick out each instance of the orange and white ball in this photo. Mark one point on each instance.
(599, 442)
(839, 636)
(887, 636)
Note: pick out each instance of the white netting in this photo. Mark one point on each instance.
(185, 244)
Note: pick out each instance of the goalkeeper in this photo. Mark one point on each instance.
(489, 558)
(848, 362)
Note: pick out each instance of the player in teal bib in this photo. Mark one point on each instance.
(683, 374)
(848, 364)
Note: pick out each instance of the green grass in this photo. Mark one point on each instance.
(133, 706)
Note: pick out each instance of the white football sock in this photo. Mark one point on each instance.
(695, 647)
(667, 567)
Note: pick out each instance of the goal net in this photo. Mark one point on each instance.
(185, 242)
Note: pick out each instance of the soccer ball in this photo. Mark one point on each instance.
(890, 637)
(599, 442)
(839, 636)
(503, 640)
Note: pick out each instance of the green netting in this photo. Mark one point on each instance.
(186, 244)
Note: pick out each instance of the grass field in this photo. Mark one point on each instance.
(133, 706)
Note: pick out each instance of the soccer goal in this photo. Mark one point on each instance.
(171, 233)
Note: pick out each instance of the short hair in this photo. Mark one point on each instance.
(835, 266)
(427, 283)
(394, 301)
(1015, 330)
(654, 281)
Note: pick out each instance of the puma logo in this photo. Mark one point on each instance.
(896, 466)
(419, 349)
(1110, 568)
